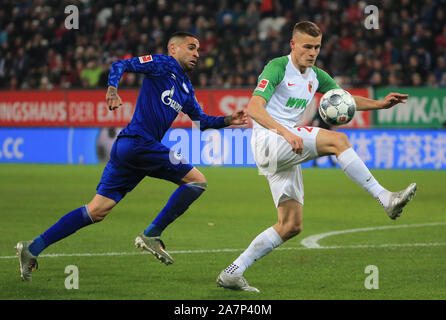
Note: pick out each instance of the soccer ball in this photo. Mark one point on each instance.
(337, 107)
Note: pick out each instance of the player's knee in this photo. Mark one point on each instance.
(98, 213)
(290, 230)
(294, 230)
(99, 216)
(194, 176)
(341, 142)
(200, 178)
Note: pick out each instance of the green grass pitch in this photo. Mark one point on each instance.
(410, 256)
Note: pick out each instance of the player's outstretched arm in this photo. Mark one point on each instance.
(205, 121)
(256, 110)
(112, 98)
(238, 118)
(392, 99)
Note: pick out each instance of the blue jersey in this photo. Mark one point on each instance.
(166, 91)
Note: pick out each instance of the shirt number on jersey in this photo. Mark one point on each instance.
(309, 129)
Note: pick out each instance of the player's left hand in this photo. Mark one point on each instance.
(112, 98)
(238, 118)
(392, 99)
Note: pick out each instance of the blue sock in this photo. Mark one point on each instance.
(178, 203)
(68, 224)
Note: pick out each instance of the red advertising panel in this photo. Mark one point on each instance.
(77, 108)
(89, 109)
(33, 108)
(228, 101)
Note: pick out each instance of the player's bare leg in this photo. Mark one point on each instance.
(190, 188)
(289, 222)
(99, 207)
(289, 225)
(28, 251)
(332, 142)
(194, 175)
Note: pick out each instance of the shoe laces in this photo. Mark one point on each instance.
(379, 200)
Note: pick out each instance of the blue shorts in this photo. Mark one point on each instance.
(132, 158)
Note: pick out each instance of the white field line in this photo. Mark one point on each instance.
(310, 243)
(57, 255)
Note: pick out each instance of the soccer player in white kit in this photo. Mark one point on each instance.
(285, 87)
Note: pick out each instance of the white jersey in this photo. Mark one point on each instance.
(287, 91)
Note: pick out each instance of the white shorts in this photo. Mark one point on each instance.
(279, 164)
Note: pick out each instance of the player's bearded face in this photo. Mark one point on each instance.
(187, 53)
(305, 49)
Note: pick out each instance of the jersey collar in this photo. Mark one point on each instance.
(187, 85)
(180, 70)
(297, 71)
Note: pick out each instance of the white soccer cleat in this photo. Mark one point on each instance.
(155, 246)
(27, 261)
(398, 200)
(234, 283)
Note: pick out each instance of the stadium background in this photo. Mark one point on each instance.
(53, 79)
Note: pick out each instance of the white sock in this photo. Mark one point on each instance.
(384, 198)
(263, 244)
(355, 168)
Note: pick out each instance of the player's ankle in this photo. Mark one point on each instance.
(233, 270)
(384, 198)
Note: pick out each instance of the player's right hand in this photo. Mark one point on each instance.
(296, 142)
(112, 98)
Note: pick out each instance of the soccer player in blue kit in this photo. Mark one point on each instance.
(138, 151)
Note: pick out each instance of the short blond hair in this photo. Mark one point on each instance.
(307, 27)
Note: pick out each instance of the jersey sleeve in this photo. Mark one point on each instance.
(149, 64)
(196, 113)
(326, 83)
(270, 77)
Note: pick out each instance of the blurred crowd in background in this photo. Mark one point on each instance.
(237, 37)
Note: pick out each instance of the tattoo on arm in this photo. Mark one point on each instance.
(113, 92)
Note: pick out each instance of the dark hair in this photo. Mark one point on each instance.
(307, 27)
(182, 34)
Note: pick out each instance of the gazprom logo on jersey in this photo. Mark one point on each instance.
(296, 103)
(166, 98)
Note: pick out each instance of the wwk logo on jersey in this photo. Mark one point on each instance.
(262, 85)
(144, 59)
(296, 103)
